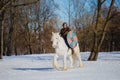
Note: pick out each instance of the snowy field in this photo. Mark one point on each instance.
(39, 67)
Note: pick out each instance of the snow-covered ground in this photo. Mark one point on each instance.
(39, 67)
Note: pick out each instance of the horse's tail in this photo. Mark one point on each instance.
(73, 56)
(72, 51)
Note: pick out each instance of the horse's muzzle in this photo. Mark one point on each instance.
(54, 46)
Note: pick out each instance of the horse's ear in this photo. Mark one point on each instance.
(52, 33)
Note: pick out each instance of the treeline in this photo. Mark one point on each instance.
(26, 26)
(111, 41)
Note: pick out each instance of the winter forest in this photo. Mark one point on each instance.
(27, 30)
(26, 25)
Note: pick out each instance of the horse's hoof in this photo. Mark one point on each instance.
(57, 68)
(65, 69)
(81, 65)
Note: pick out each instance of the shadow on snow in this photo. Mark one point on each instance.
(36, 69)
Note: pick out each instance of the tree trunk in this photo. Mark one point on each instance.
(94, 51)
(29, 45)
(93, 56)
(15, 49)
(30, 49)
(1, 33)
(9, 41)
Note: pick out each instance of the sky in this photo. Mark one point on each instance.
(63, 4)
(62, 10)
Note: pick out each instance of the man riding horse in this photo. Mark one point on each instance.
(66, 45)
(63, 33)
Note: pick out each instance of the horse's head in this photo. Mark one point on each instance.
(55, 39)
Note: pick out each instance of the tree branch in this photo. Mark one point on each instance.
(113, 15)
(105, 24)
(4, 6)
(103, 1)
(25, 4)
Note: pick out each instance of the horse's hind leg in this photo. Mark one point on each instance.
(80, 61)
(64, 63)
(71, 61)
(55, 62)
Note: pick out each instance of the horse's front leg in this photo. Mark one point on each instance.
(64, 63)
(55, 62)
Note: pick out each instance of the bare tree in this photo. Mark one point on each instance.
(4, 6)
(9, 42)
(97, 43)
(2, 14)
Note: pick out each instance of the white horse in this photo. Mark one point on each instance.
(61, 49)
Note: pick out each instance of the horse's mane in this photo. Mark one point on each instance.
(62, 39)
